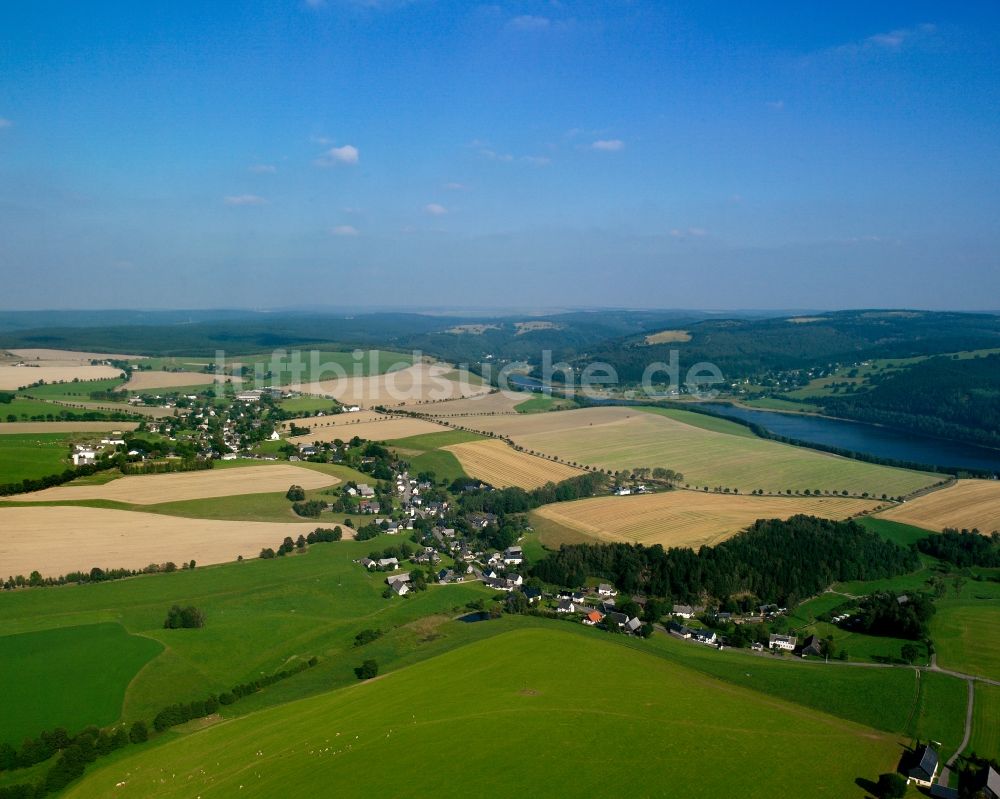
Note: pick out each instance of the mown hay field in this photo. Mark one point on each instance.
(150, 380)
(965, 504)
(502, 466)
(414, 385)
(623, 438)
(495, 402)
(64, 538)
(688, 518)
(15, 377)
(10, 428)
(150, 489)
(377, 429)
(303, 748)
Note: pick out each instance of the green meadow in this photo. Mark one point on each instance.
(72, 392)
(24, 409)
(307, 405)
(566, 712)
(966, 631)
(68, 676)
(261, 614)
(986, 721)
(32, 455)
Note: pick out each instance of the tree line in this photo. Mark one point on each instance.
(775, 560)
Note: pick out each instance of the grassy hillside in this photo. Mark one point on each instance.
(68, 676)
(562, 712)
(261, 614)
(32, 455)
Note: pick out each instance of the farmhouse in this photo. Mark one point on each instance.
(366, 490)
(683, 611)
(812, 646)
(513, 555)
(593, 618)
(84, 456)
(785, 642)
(565, 606)
(606, 590)
(634, 626)
(389, 563)
(925, 771)
(368, 563)
(400, 589)
(394, 579)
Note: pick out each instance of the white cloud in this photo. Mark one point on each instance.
(608, 145)
(348, 154)
(537, 160)
(455, 186)
(263, 169)
(344, 230)
(893, 40)
(776, 105)
(691, 232)
(528, 22)
(435, 210)
(244, 199)
(5, 123)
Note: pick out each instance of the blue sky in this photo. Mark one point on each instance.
(642, 154)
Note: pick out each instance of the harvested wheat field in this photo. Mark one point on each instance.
(65, 427)
(56, 540)
(502, 466)
(413, 385)
(966, 504)
(154, 488)
(708, 451)
(15, 377)
(688, 518)
(145, 381)
(336, 420)
(389, 429)
(668, 337)
(68, 357)
(502, 402)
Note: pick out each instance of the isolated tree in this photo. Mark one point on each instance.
(909, 653)
(367, 670)
(295, 493)
(138, 733)
(891, 786)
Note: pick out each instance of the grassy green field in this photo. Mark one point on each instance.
(370, 362)
(259, 615)
(902, 534)
(540, 403)
(31, 455)
(72, 392)
(966, 634)
(24, 410)
(444, 465)
(703, 421)
(985, 725)
(307, 405)
(631, 708)
(708, 451)
(68, 676)
(429, 441)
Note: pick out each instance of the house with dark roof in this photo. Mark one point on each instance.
(924, 772)
(939, 791)
(991, 783)
(677, 629)
(620, 619)
(812, 646)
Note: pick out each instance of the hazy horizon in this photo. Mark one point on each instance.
(435, 154)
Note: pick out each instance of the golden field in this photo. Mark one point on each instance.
(413, 385)
(687, 518)
(147, 380)
(15, 377)
(61, 539)
(154, 488)
(967, 504)
(388, 429)
(502, 466)
(707, 451)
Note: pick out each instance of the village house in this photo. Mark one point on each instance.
(925, 771)
(812, 646)
(389, 564)
(683, 611)
(784, 642)
(513, 556)
(369, 564)
(565, 606)
(604, 589)
(593, 618)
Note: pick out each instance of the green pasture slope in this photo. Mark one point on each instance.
(68, 676)
(72, 392)
(966, 628)
(985, 725)
(562, 712)
(260, 616)
(33, 455)
(432, 458)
